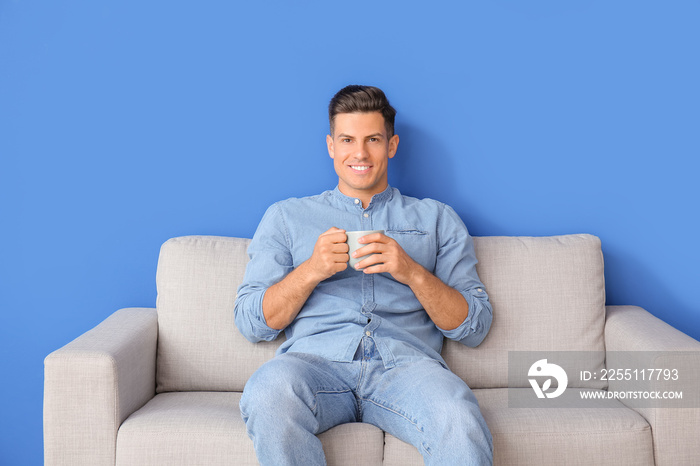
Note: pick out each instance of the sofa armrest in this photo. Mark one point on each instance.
(95, 382)
(632, 333)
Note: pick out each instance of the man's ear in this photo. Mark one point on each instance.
(329, 143)
(393, 145)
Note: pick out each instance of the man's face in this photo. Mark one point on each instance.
(361, 149)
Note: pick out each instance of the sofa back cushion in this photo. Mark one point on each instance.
(548, 299)
(199, 346)
(548, 294)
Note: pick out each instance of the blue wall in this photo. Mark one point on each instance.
(123, 124)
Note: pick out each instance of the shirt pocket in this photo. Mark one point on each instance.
(418, 244)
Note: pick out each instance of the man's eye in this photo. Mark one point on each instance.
(374, 139)
(345, 140)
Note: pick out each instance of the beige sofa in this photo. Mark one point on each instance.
(161, 386)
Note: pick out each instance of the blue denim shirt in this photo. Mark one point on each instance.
(351, 304)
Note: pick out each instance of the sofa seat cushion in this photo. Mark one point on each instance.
(608, 434)
(206, 428)
(185, 428)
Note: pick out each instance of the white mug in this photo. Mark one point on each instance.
(353, 245)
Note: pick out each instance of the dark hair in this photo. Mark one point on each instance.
(362, 99)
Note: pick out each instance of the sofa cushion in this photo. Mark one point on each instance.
(608, 434)
(206, 428)
(199, 346)
(548, 294)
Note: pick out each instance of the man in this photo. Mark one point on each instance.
(362, 345)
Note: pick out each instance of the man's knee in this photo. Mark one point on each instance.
(452, 409)
(278, 385)
(458, 427)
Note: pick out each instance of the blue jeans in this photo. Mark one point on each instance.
(295, 396)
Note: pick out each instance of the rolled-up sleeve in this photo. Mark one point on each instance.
(456, 267)
(473, 330)
(270, 261)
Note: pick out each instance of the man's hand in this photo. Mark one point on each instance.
(388, 256)
(283, 300)
(446, 306)
(330, 254)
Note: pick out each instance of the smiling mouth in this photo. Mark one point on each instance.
(360, 168)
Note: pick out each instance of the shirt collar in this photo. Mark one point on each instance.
(378, 198)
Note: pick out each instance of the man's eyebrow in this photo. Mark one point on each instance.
(343, 136)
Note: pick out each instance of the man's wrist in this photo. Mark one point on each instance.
(418, 277)
(308, 275)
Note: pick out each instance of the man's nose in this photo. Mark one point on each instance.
(362, 152)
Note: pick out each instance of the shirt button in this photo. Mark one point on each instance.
(366, 215)
(479, 290)
(357, 201)
(368, 333)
